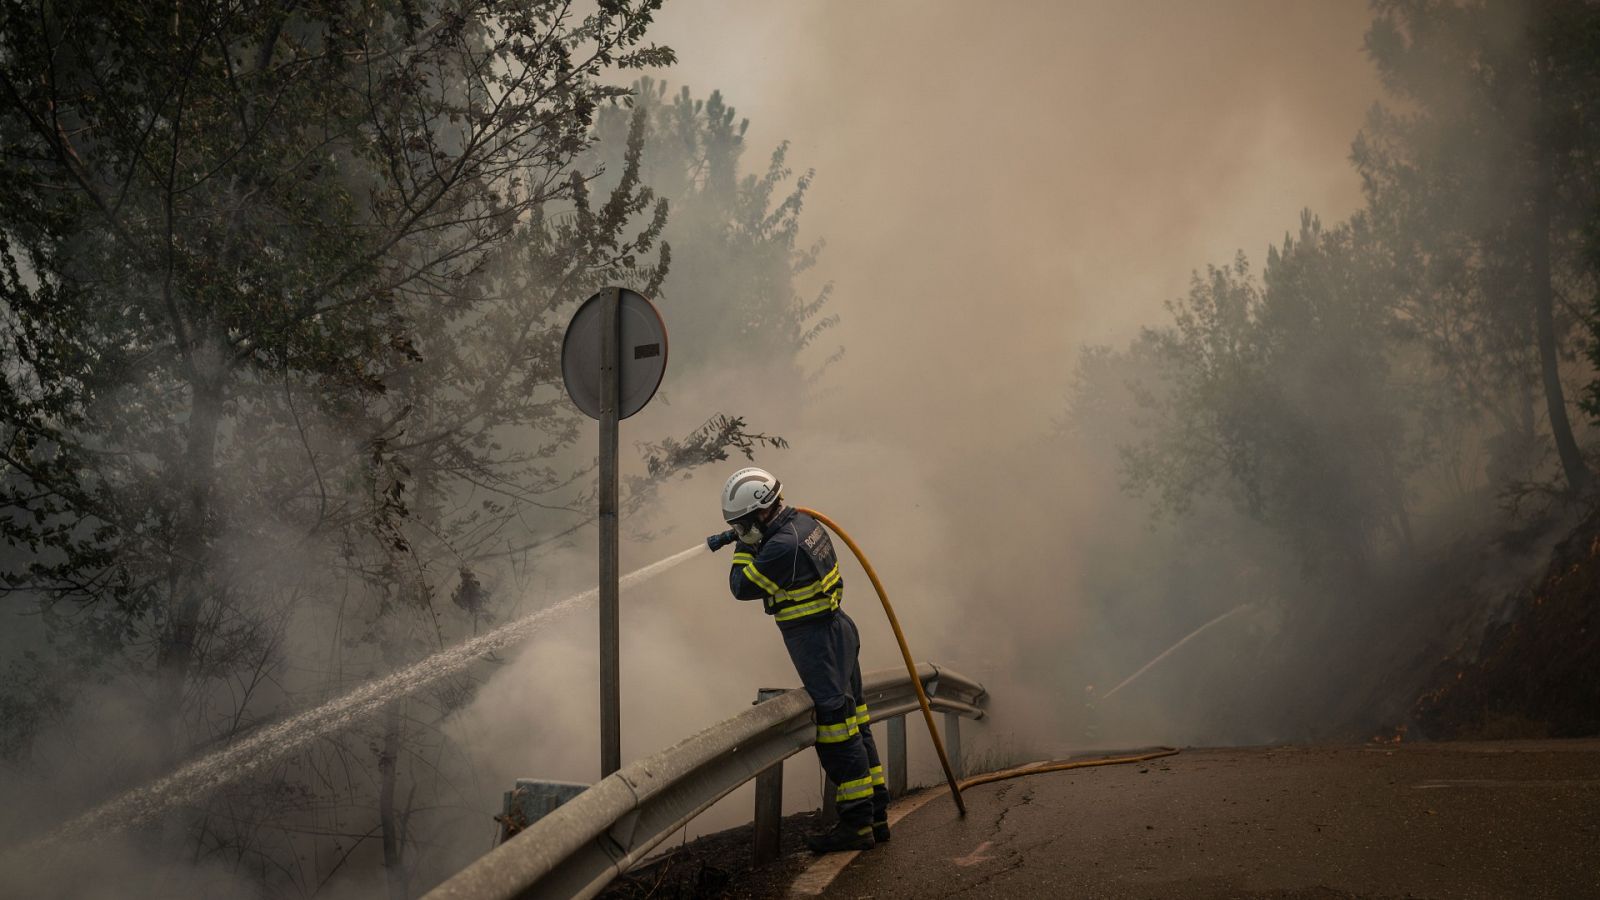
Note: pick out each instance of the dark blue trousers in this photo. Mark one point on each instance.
(826, 655)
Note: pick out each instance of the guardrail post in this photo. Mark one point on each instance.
(952, 743)
(829, 814)
(894, 765)
(769, 803)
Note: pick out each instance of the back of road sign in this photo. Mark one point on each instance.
(641, 357)
(612, 360)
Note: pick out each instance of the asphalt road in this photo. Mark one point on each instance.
(1462, 820)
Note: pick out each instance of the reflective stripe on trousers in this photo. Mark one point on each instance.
(837, 733)
(859, 789)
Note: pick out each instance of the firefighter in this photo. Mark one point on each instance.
(785, 558)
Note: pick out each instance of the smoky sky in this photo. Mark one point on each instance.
(1001, 182)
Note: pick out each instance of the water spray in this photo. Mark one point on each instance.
(1168, 652)
(277, 741)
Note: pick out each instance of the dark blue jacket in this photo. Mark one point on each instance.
(795, 572)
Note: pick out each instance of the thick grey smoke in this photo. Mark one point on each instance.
(998, 185)
(997, 188)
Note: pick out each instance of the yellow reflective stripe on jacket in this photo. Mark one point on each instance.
(826, 604)
(820, 586)
(836, 734)
(740, 559)
(859, 789)
(862, 716)
(761, 581)
(877, 774)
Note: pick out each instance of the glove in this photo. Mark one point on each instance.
(718, 541)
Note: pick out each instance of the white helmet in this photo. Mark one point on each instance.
(747, 491)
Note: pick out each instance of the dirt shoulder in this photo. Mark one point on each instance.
(719, 867)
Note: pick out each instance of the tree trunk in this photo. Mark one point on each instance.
(1572, 464)
(188, 579)
(389, 818)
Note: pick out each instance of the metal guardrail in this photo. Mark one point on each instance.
(581, 846)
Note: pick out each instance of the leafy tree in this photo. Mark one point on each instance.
(281, 299)
(207, 203)
(1278, 395)
(736, 254)
(1481, 177)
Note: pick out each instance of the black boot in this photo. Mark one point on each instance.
(880, 832)
(842, 837)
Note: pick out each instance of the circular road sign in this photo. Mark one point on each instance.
(641, 353)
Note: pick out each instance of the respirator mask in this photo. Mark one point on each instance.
(748, 529)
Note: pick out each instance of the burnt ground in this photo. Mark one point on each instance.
(1535, 673)
(1490, 638)
(718, 866)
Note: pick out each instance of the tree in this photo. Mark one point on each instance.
(1482, 178)
(205, 202)
(736, 255)
(1279, 397)
(280, 316)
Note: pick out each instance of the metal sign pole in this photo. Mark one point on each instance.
(610, 672)
(612, 360)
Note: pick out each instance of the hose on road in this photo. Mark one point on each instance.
(911, 666)
(1063, 765)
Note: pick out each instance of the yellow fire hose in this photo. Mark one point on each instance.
(911, 666)
(927, 712)
(1040, 768)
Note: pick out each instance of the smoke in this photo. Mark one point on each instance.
(997, 187)
(967, 278)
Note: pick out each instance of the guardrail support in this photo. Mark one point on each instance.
(769, 803)
(894, 765)
(769, 815)
(952, 742)
(529, 800)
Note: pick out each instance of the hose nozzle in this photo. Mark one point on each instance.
(718, 541)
